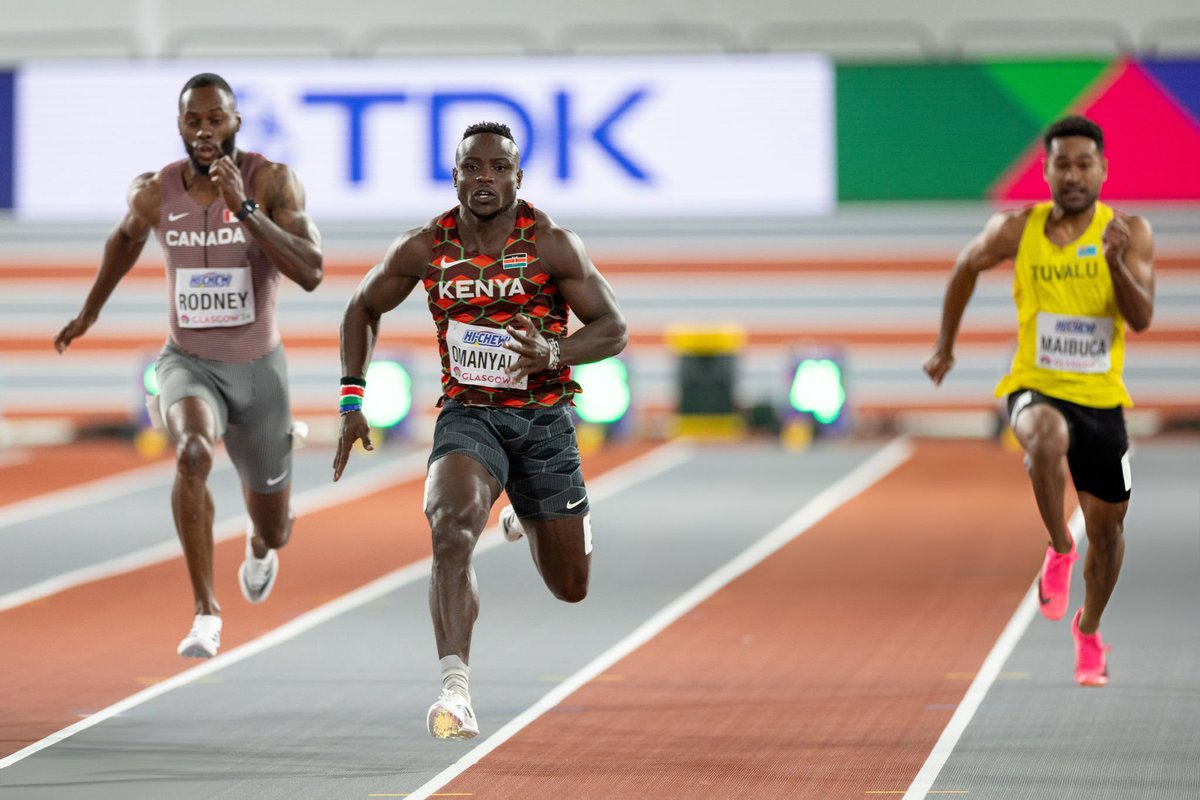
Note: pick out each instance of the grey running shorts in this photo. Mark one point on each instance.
(250, 402)
(1098, 451)
(531, 452)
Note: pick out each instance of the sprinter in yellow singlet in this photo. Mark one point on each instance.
(1083, 273)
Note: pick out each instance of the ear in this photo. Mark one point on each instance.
(237, 115)
(454, 176)
(520, 175)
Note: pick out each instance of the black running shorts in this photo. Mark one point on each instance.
(1098, 451)
(531, 452)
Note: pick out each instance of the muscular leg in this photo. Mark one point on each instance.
(561, 556)
(1106, 550)
(272, 517)
(193, 427)
(459, 492)
(1042, 431)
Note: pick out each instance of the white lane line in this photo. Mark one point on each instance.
(1001, 650)
(13, 458)
(847, 488)
(349, 488)
(96, 491)
(638, 470)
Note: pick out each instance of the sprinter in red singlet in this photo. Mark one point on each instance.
(501, 279)
(230, 223)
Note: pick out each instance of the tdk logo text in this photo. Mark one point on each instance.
(559, 127)
(485, 338)
(210, 280)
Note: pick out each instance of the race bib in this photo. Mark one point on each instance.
(478, 357)
(1074, 344)
(214, 298)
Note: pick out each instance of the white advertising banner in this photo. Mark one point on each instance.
(613, 137)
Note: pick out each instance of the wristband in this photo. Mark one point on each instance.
(353, 390)
(554, 354)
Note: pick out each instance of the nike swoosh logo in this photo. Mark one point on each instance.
(173, 217)
(447, 264)
(577, 502)
(273, 481)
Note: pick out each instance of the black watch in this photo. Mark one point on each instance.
(248, 208)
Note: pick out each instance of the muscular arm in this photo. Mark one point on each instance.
(281, 226)
(383, 288)
(589, 295)
(1129, 250)
(121, 252)
(996, 243)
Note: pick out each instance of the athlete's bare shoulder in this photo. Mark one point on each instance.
(560, 247)
(410, 252)
(1002, 233)
(145, 197)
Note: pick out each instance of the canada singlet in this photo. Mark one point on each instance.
(473, 296)
(222, 286)
(1071, 335)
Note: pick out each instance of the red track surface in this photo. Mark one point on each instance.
(827, 671)
(83, 649)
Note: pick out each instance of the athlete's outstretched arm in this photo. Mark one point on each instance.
(1129, 250)
(996, 243)
(603, 333)
(281, 226)
(383, 288)
(121, 252)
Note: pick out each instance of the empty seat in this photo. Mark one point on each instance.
(1166, 38)
(667, 37)
(850, 40)
(203, 41)
(68, 43)
(981, 38)
(448, 40)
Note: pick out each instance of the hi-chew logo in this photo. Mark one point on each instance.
(485, 338)
(210, 280)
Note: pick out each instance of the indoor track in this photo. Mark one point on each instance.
(853, 620)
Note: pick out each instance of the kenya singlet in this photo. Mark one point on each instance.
(1071, 336)
(472, 297)
(222, 286)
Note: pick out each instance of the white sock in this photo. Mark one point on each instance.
(455, 674)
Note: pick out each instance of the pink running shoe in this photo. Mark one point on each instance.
(1091, 662)
(1054, 584)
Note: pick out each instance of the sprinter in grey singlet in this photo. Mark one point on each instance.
(230, 224)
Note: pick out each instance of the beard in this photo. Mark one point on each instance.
(227, 148)
(1076, 203)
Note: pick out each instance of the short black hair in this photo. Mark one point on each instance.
(498, 128)
(206, 79)
(1074, 126)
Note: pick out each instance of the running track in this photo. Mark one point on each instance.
(763, 624)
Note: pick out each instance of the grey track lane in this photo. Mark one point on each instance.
(1037, 735)
(72, 538)
(339, 711)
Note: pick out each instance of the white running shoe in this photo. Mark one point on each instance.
(203, 639)
(510, 525)
(256, 576)
(452, 717)
(299, 433)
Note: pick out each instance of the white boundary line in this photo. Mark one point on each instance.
(95, 491)
(371, 480)
(1001, 650)
(863, 477)
(633, 472)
